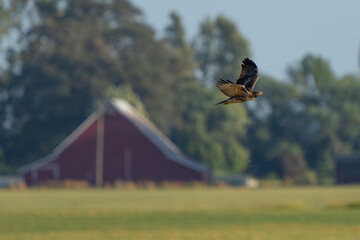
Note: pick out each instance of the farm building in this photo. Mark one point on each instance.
(115, 143)
(347, 169)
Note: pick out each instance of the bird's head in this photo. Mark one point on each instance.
(258, 93)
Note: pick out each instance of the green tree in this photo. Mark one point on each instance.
(10, 15)
(181, 66)
(10, 12)
(199, 145)
(312, 113)
(71, 56)
(313, 75)
(125, 92)
(213, 134)
(274, 119)
(49, 90)
(317, 84)
(236, 157)
(175, 32)
(4, 168)
(325, 168)
(219, 49)
(291, 159)
(344, 103)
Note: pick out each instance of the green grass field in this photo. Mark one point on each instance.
(204, 213)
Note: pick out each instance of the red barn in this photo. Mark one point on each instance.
(115, 143)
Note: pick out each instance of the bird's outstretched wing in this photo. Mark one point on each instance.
(249, 74)
(231, 89)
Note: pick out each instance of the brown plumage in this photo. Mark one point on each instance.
(243, 89)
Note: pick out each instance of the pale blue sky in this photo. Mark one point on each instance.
(281, 32)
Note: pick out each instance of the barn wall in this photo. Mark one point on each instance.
(76, 161)
(147, 161)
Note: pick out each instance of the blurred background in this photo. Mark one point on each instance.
(60, 59)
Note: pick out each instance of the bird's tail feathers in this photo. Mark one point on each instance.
(225, 102)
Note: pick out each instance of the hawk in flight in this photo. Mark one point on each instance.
(243, 89)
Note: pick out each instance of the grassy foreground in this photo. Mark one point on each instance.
(194, 214)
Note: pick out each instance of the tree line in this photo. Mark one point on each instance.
(69, 56)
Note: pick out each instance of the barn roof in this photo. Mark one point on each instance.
(168, 148)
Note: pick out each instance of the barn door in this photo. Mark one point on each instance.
(127, 164)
